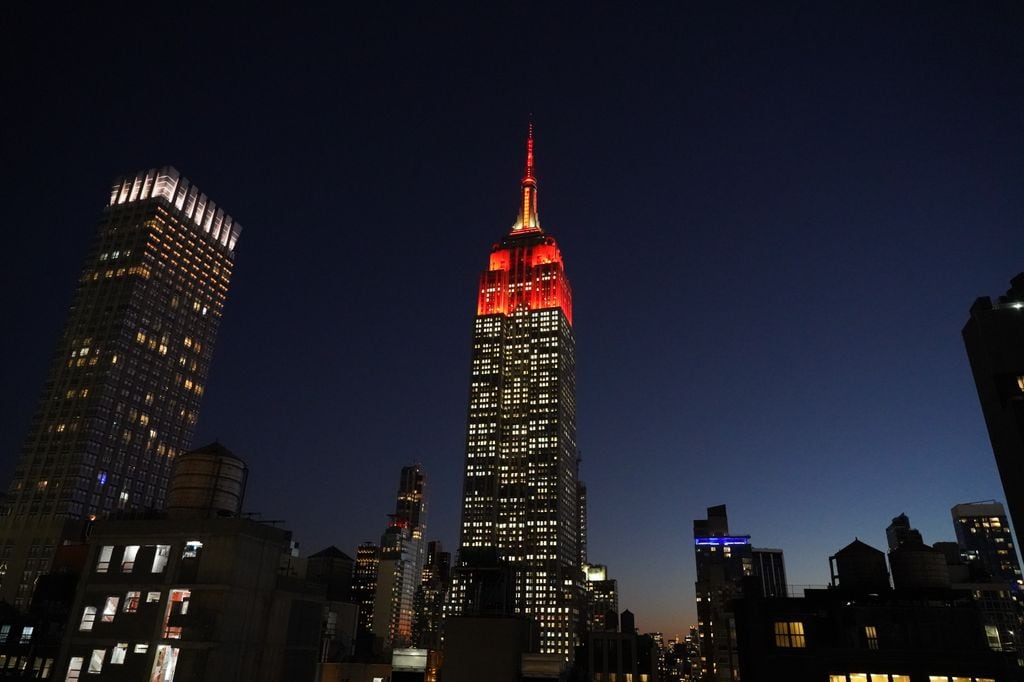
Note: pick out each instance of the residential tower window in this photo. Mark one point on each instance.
(872, 636)
(88, 618)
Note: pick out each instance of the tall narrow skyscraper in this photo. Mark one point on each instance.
(122, 395)
(401, 561)
(520, 502)
(723, 561)
(994, 338)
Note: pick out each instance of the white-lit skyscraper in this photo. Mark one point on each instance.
(122, 396)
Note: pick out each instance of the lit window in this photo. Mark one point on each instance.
(88, 618)
(5, 632)
(178, 601)
(879, 677)
(131, 602)
(103, 565)
(141, 648)
(837, 678)
(128, 561)
(992, 634)
(96, 660)
(110, 609)
(74, 669)
(872, 636)
(26, 634)
(118, 653)
(790, 635)
(152, 597)
(904, 678)
(160, 558)
(164, 662)
(858, 677)
(192, 549)
(938, 678)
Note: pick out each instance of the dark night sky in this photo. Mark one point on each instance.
(774, 218)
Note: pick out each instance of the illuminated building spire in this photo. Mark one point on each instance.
(528, 219)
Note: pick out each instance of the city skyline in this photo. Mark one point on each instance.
(772, 259)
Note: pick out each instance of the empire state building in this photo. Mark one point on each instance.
(521, 510)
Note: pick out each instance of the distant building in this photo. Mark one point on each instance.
(195, 594)
(334, 569)
(899, 531)
(994, 339)
(723, 561)
(602, 594)
(616, 655)
(30, 642)
(860, 630)
(521, 503)
(126, 379)
(364, 586)
(983, 533)
(770, 567)
(581, 507)
(402, 553)
(428, 604)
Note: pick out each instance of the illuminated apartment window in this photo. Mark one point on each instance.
(26, 634)
(837, 678)
(152, 597)
(872, 636)
(96, 660)
(790, 635)
(5, 632)
(110, 609)
(88, 618)
(131, 602)
(141, 648)
(858, 677)
(103, 565)
(192, 549)
(128, 561)
(74, 669)
(164, 662)
(879, 677)
(902, 678)
(160, 558)
(938, 678)
(992, 635)
(118, 653)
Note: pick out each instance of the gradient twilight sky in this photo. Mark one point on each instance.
(775, 217)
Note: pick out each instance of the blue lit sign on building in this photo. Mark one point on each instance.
(727, 540)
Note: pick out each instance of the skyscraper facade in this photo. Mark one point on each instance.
(401, 561)
(124, 386)
(364, 586)
(983, 533)
(521, 505)
(428, 603)
(994, 338)
(723, 561)
(602, 599)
